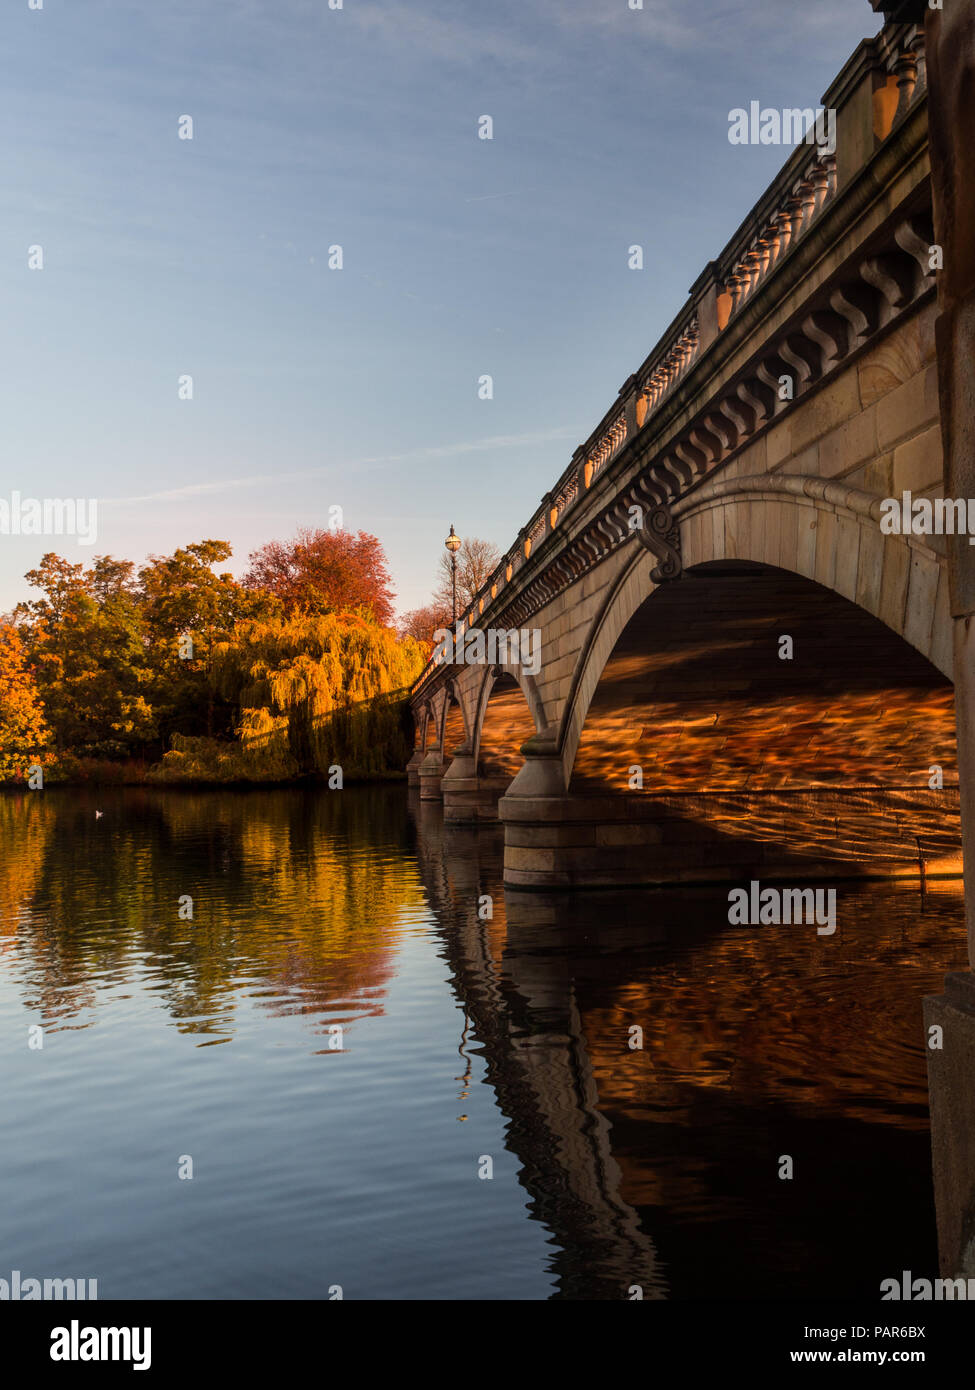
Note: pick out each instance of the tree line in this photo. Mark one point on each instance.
(176, 671)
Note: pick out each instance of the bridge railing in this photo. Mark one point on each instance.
(778, 222)
(878, 86)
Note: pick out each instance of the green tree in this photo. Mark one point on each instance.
(187, 610)
(84, 639)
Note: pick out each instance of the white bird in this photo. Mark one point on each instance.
(99, 813)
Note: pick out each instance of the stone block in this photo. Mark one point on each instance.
(754, 457)
(639, 833)
(532, 860)
(823, 411)
(792, 514)
(908, 409)
(757, 519)
(848, 446)
(893, 588)
(918, 463)
(550, 836)
(773, 531)
(942, 634)
(804, 461)
(826, 533)
(922, 592)
(779, 444)
(847, 555)
(926, 321)
(870, 568)
(806, 541)
(718, 542)
(890, 363)
(878, 476)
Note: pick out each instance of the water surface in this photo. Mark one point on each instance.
(343, 1041)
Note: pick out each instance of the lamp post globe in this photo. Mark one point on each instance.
(453, 545)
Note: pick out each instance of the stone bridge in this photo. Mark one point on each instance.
(730, 498)
(744, 669)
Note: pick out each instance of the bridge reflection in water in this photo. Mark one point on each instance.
(615, 1166)
(659, 1165)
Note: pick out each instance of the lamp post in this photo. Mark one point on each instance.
(453, 545)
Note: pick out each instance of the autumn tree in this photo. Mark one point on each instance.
(326, 571)
(187, 609)
(83, 637)
(295, 661)
(422, 623)
(59, 582)
(23, 731)
(476, 561)
(110, 579)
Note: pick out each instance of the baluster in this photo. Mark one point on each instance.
(763, 258)
(772, 238)
(906, 69)
(794, 213)
(751, 267)
(784, 220)
(820, 183)
(807, 200)
(921, 76)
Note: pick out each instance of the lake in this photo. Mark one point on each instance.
(289, 1043)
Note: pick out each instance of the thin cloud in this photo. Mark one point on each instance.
(179, 494)
(436, 451)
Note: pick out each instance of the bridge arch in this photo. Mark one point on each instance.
(453, 729)
(474, 778)
(821, 531)
(426, 725)
(492, 675)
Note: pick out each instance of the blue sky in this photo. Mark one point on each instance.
(462, 256)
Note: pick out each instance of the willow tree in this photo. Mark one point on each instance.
(331, 684)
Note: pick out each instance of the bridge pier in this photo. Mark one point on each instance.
(413, 767)
(464, 799)
(565, 841)
(949, 1023)
(469, 798)
(624, 840)
(431, 775)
